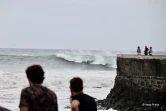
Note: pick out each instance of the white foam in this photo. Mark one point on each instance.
(58, 81)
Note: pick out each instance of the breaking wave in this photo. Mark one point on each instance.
(88, 59)
(61, 60)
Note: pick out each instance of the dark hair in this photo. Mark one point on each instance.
(35, 74)
(76, 84)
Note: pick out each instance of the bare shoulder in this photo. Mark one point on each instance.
(75, 103)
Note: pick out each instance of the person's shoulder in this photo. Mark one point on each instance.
(75, 104)
(51, 92)
(26, 89)
(86, 95)
(3, 109)
(51, 95)
(92, 98)
(30, 89)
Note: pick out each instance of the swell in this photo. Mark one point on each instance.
(63, 60)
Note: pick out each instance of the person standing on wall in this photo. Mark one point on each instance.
(146, 50)
(138, 51)
(150, 51)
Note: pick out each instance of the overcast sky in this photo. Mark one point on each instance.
(83, 24)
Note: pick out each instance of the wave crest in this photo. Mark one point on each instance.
(88, 59)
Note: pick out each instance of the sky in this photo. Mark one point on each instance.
(83, 24)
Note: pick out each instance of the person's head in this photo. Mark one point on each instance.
(76, 85)
(150, 47)
(35, 74)
(145, 46)
(138, 47)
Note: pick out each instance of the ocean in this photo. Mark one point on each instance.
(96, 68)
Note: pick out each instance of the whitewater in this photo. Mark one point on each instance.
(96, 68)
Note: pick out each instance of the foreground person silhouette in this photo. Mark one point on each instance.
(79, 100)
(37, 97)
(3, 109)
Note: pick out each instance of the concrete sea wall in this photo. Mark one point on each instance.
(139, 84)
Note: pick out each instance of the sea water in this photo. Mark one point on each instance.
(96, 68)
